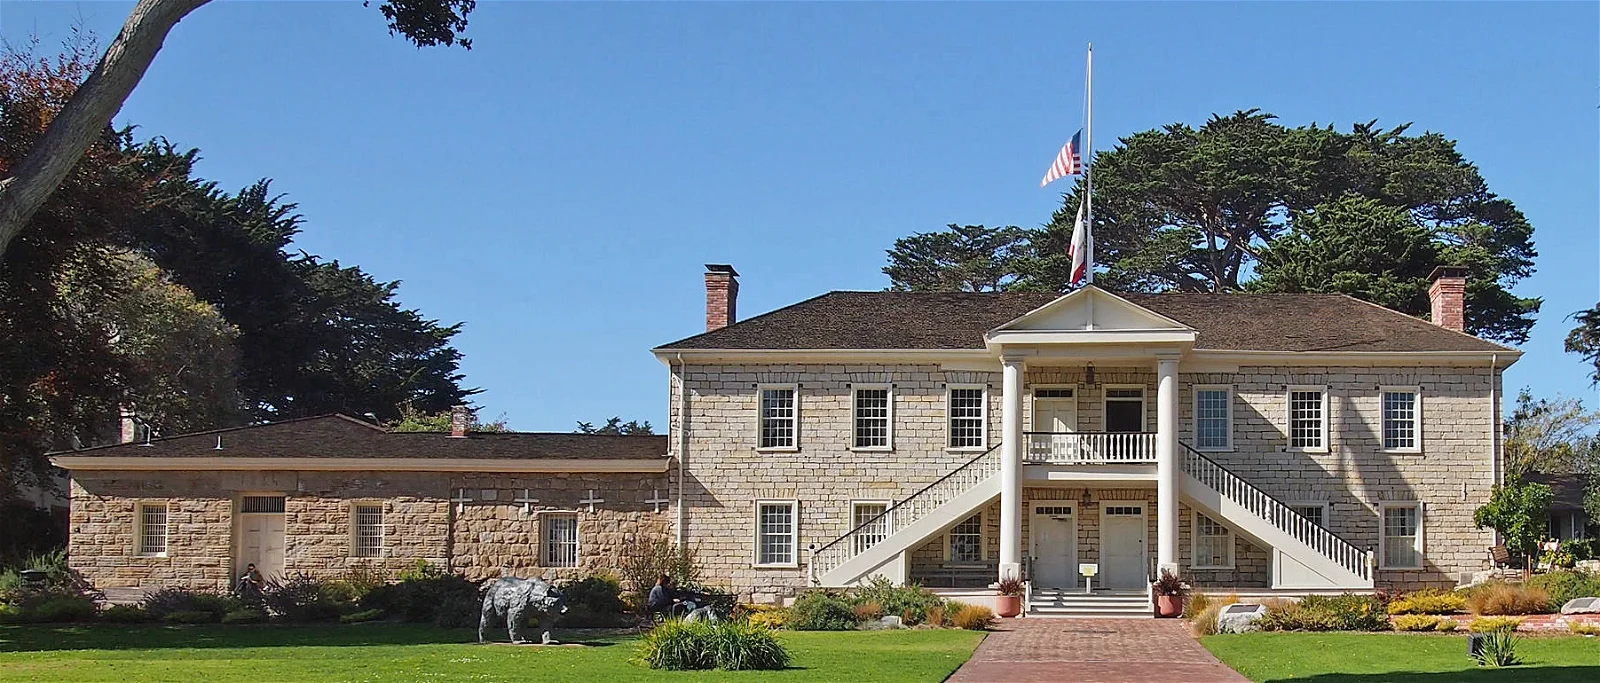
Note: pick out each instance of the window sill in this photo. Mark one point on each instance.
(1400, 569)
(778, 449)
(1226, 449)
(152, 555)
(1401, 451)
(872, 449)
(1229, 567)
(790, 565)
(965, 449)
(1293, 449)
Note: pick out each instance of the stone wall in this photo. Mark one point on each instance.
(489, 536)
(726, 473)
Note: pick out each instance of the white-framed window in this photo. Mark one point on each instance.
(1213, 544)
(152, 531)
(1402, 419)
(1315, 511)
(967, 406)
(1308, 419)
(779, 423)
(964, 542)
(872, 417)
(560, 531)
(870, 519)
(777, 533)
(366, 530)
(1213, 417)
(1401, 531)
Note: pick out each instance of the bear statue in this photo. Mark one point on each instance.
(518, 600)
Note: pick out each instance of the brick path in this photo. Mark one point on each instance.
(1041, 650)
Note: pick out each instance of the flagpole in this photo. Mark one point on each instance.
(1088, 168)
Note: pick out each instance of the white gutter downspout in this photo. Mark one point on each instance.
(1494, 421)
(683, 443)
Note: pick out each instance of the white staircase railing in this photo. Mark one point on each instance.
(1284, 518)
(904, 513)
(1078, 448)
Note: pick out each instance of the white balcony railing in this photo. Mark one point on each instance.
(1078, 448)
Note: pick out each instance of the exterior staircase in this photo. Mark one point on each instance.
(1068, 602)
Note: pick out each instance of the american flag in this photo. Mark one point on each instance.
(1068, 162)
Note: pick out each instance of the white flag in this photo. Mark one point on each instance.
(1080, 248)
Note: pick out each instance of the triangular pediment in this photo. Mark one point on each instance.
(1092, 309)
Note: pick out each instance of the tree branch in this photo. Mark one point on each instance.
(88, 113)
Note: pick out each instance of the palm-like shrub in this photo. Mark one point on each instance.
(1498, 648)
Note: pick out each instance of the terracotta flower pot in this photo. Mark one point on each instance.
(1008, 605)
(1169, 605)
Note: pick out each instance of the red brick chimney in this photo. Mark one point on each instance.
(722, 296)
(1449, 296)
(460, 421)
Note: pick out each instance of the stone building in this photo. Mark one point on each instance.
(1272, 442)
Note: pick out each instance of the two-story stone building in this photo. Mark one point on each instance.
(1273, 441)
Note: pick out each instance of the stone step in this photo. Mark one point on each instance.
(1091, 611)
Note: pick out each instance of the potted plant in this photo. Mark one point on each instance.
(1169, 591)
(1009, 604)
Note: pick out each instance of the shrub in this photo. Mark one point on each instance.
(168, 600)
(1582, 629)
(1199, 602)
(361, 579)
(646, 559)
(1205, 623)
(1493, 624)
(1423, 622)
(191, 616)
(1565, 585)
(126, 614)
(910, 601)
(868, 611)
(427, 597)
(770, 616)
(1429, 601)
(679, 646)
(821, 611)
(973, 618)
(1509, 599)
(1499, 648)
(362, 616)
(57, 608)
(248, 615)
(305, 599)
(593, 601)
(935, 618)
(10, 614)
(1347, 612)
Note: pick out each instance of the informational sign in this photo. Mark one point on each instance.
(1088, 569)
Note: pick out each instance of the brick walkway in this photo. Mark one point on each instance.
(1037, 650)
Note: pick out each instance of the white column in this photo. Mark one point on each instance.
(1167, 464)
(1011, 469)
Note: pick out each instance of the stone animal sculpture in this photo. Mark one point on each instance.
(517, 600)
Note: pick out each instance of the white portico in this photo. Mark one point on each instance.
(1083, 329)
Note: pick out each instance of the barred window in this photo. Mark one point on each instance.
(1313, 512)
(1213, 543)
(776, 533)
(560, 540)
(261, 504)
(1399, 420)
(966, 540)
(965, 408)
(1212, 413)
(778, 423)
(368, 530)
(872, 524)
(872, 417)
(152, 528)
(1306, 417)
(1402, 537)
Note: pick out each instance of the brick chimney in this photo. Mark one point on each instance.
(1449, 296)
(460, 421)
(722, 296)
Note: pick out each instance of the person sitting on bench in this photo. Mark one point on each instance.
(665, 601)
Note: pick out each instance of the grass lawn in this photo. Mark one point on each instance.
(402, 652)
(1415, 658)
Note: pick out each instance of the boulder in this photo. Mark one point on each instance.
(1581, 606)
(1240, 618)
(892, 621)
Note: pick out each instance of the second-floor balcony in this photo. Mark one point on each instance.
(1083, 448)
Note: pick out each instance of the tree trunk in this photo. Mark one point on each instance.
(88, 113)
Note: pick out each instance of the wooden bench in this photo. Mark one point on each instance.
(961, 574)
(1500, 556)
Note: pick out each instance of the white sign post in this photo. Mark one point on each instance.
(1087, 571)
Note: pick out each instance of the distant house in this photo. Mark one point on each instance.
(1249, 442)
(1567, 518)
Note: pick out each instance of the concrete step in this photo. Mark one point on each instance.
(1076, 604)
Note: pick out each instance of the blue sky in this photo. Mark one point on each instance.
(559, 187)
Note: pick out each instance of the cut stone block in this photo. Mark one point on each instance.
(1240, 618)
(1581, 606)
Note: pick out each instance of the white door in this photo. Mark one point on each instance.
(261, 543)
(1055, 412)
(1055, 546)
(1122, 536)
